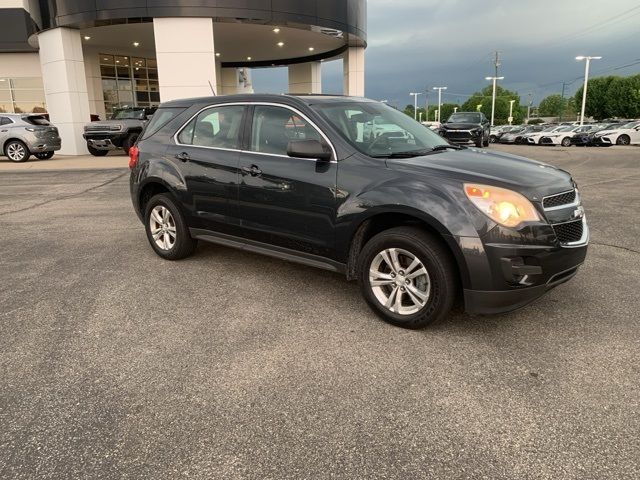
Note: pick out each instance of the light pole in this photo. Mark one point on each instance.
(420, 117)
(439, 98)
(586, 80)
(511, 111)
(455, 109)
(493, 98)
(415, 104)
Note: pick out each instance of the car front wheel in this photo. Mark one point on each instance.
(407, 277)
(96, 152)
(623, 140)
(566, 142)
(17, 151)
(167, 229)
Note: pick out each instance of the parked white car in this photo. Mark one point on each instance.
(563, 136)
(533, 138)
(626, 134)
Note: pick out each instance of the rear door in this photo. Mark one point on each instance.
(5, 123)
(207, 151)
(286, 201)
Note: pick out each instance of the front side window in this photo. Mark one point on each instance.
(274, 127)
(216, 127)
(377, 129)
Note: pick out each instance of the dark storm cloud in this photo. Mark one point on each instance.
(413, 44)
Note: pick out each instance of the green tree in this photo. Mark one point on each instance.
(598, 105)
(552, 106)
(503, 96)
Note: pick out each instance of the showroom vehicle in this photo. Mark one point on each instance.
(23, 135)
(496, 132)
(533, 138)
(627, 134)
(561, 136)
(586, 139)
(415, 220)
(121, 131)
(467, 127)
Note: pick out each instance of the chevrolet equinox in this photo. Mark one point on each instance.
(316, 180)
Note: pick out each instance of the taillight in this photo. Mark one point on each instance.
(133, 156)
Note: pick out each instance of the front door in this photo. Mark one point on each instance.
(286, 201)
(207, 152)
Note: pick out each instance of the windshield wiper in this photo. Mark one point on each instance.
(407, 154)
(438, 148)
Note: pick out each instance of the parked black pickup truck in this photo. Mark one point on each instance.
(120, 132)
(467, 127)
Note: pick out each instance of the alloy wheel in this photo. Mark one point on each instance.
(399, 281)
(16, 152)
(163, 227)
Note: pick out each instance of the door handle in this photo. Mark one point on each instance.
(184, 156)
(253, 170)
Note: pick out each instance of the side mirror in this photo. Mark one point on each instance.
(308, 149)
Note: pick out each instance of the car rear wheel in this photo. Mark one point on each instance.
(566, 142)
(485, 143)
(43, 155)
(129, 142)
(96, 152)
(407, 277)
(493, 139)
(479, 143)
(623, 140)
(17, 151)
(167, 229)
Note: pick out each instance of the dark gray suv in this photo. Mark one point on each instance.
(23, 135)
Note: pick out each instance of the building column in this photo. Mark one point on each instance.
(305, 77)
(65, 86)
(353, 72)
(186, 57)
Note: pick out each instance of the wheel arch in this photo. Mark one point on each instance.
(380, 221)
(3, 148)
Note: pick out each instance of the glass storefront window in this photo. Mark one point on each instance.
(128, 81)
(22, 95)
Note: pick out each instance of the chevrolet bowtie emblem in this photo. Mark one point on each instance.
(578, 213)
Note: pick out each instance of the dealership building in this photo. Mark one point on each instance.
(77, 58)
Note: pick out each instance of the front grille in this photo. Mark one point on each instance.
(569, 232)
(457, 135)
(560, 199)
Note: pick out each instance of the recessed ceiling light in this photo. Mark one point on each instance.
(136, 44)
(217, 54)
(106, 59)
(276, 30)
(137, 68)
(117, 61)
(87, 37)
(248, 58)
(311, 49)
(281, 44)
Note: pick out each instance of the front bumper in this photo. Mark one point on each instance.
(461, 136)
(104, 141)
(505, 276)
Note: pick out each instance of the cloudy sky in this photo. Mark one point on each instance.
(415, 44)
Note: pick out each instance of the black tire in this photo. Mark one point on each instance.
(493, 139)
(95, 152)
(17, 151)
(437, 261)
(183, 245)
(485, 143)
(129, 142)
(43, 155)
(566, 142)
(623, 140)
(479, 143)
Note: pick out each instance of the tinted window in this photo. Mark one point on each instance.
(4, 121)
(36, 120)
(274, 127)
(160, 119)
(217, 127)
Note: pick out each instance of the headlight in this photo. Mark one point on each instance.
(115, 127)
(503, 206)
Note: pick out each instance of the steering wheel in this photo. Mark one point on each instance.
(376, 141)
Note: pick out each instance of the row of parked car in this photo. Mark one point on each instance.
(602, 134)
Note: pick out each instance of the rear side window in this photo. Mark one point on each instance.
(36, 120)
(216, 127)
(5, 121)
(160, 118)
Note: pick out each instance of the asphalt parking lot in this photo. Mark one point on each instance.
(117, 364)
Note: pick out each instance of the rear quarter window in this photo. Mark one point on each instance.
(160, 118)
(36, 120)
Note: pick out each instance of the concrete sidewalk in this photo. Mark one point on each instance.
(114, 159)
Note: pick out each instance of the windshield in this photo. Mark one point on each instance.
(378, 130)
(629, 125)
(128, 114)
(464, 118)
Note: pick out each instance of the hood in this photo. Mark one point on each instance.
(529, 177)
(460, 126)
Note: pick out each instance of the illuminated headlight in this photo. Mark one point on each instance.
(503, 206)
(116, 128)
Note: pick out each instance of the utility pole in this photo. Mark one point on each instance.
(415, 104)
(511, 102)
(529, 107)
(439, 98)
(564, 84)
(586, 81)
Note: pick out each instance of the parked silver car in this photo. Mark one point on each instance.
(23, 135)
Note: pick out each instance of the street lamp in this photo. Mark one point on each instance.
(415, 104)
(586, 80)
(511, 111)
(493, 98)
(439, 98)
(420, 117)
(455, 109)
